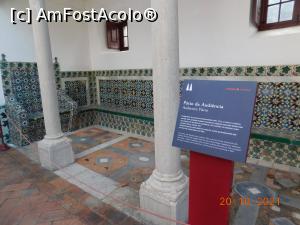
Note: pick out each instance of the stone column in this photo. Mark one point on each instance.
(166, 191)
(55, 150)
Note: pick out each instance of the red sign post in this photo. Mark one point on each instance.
(210, 188)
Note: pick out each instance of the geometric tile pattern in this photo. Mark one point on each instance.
(85, 118)
(86, 139)
(135, 145)
(124, 73)
(278, 106)
(126, 104)
(77, 91)
(129, 162)
(273, 70)
(284, 70)
(275, 152)
(25, 87)
(132, 96)
(91, 79)
(4, 125)
(23, 100)
(133, 125)
(135, 96)
(104, 161)
(92, 75)
(36, 130)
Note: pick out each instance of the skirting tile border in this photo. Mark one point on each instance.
(273, 165)
(235, 71)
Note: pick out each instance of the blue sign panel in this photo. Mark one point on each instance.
(215, 118)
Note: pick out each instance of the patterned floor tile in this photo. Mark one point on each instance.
(88, 138)
(129, 162)
(135, 145)
(104, 162)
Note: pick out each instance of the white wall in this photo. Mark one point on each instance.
(217, 33)
(212, 33)
(69, 40)
(139, 54)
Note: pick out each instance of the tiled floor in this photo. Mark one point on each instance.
(113, 168)
(88, 138)
(129, 162)
(252, 181)
(110, 168)
(30, 195)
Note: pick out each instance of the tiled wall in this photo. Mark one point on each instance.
(123, 100)
(21, 87)
(126, 103)
(278, 106)
(84, 81)
(283, 70)
(4, 124)
(77, 91)
(272, 153)
(130, 96)
(130, 91)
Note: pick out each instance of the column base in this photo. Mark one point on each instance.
(167, 196)
(55, 153)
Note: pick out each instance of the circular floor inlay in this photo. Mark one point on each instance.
(253, 190)
(102, 160)
(144, 159)
(136, 145)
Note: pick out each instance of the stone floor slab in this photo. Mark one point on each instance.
(36, 196)
(70, 171)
